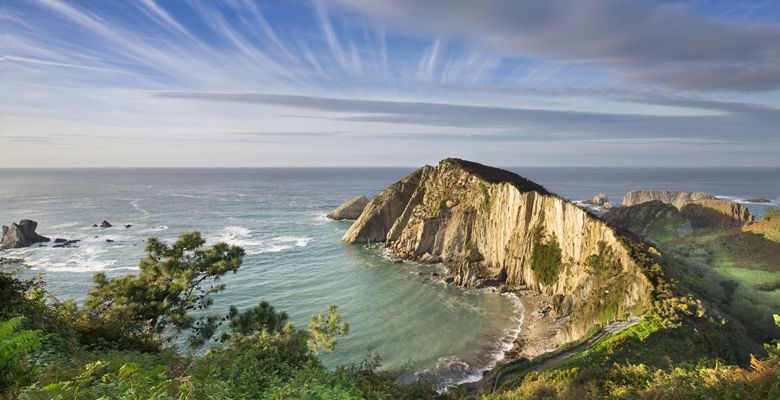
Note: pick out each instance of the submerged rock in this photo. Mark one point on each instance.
(350, 209)
(105, 224)
(677, 199)
(21, 235)
(485, 224)
(66, 243)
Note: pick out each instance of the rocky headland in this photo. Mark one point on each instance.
(350, 209)
(490, 226)
(677, 199)
(672, 214)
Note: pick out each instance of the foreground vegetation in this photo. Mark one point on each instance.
(704, 339)
(119, 345)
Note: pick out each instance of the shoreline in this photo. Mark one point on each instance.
(535, 335)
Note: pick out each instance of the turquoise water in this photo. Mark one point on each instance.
(294, 257)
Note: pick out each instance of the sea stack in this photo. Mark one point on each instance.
(21, 235)
(350, 209)
(487, 225)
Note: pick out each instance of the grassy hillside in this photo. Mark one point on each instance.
(703, 339)
(725, 285)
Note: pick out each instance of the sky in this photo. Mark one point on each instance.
(244, 83)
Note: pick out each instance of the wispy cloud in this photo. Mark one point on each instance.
(318, 75)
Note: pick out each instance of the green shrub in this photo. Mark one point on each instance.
(16, 369)
(546, 258)
(772, 214)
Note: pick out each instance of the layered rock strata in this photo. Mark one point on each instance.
(488, 225)
(677, 199)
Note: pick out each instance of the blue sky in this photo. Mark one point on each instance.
(389, 82)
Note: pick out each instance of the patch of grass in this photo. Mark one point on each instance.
(546, 258)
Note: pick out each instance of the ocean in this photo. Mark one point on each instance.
(294, 258)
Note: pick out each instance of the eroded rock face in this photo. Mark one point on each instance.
(382, 212)
(21, 235)
(350, 209)
(489, 225)
(598, 200)
(650, 220)
(677, 199)
(716, 214)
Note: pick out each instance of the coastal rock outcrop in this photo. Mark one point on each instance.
(487, 225)
(350, 209)
(716, 214)
(650, 220)
(21, 235)
(598, 200)
(677, 199)
(381, 213)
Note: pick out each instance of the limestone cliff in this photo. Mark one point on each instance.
(677, 199)
(489, 225)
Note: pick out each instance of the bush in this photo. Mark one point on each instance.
(772, 214)
(546, 258)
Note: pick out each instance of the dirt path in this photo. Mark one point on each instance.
(560, 358)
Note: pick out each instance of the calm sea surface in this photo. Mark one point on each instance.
(294, 257)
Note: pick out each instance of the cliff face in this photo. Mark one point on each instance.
(677, 199)
(486, 224)
(382, 212)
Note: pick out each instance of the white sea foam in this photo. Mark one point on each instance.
(66, 225)
(241, 236)
(465, 373)
(134, 204)
(82, 259)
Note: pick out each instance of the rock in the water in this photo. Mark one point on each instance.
(109, 241)
(105, 224)
(484, 223)
(350, 209)
(598, 200)
(128, 226)
(21, 235)
(66, 243)
(607, 205)
(716, 214)
(677, 199)
(650, 220)
(758, 200)
(60, 240)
